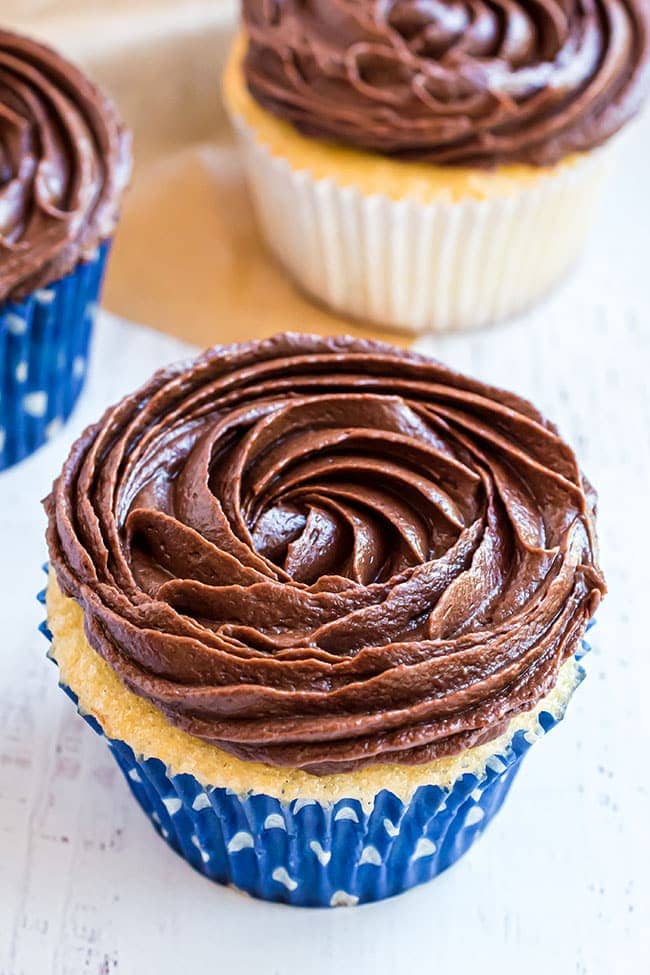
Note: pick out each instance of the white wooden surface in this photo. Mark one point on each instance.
(560, 882)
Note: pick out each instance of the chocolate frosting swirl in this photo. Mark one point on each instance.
(451, 81)
(324, 553)
(64, 161)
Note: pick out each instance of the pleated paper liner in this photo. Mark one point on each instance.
(422, 267)
(310, 854)
(44, 348)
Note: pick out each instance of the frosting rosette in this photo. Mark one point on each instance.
(327, 553)
(461, 82)
(64, 162)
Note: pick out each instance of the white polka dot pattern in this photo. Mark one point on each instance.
(44, 343)
(303, 852)
(309, 854)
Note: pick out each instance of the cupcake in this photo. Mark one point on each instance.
(64, 162)
(320, 596)
(432, 166)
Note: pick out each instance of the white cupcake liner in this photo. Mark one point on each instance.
(420, 267)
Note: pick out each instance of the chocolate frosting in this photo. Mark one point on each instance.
(325, 553)
(64, 161)
(451, 81)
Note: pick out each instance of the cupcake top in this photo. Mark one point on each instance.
(64, 162)
(327, 553)
(451, 81)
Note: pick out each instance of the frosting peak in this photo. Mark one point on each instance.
(327, 553)
(451, 81)
(64, 162)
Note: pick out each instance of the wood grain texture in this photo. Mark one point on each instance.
(560, 883)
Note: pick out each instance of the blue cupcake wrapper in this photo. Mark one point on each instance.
(302, 852)
(44, 343)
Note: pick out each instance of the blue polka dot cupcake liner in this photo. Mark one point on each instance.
(308, 854)
(44, 345)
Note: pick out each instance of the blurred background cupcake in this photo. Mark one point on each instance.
(64, 162)
(320, 596)
(432, 166)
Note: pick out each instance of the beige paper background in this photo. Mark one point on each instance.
(187, 259)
